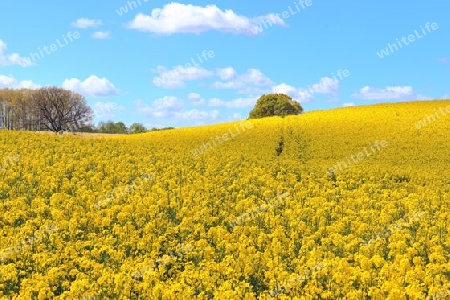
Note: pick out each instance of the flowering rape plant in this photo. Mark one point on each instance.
(137, 217)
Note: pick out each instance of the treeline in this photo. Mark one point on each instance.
(15, 110)
(121, 128)
(44, 109)
(55, 109)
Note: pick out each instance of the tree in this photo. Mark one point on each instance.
(275, 105)
(61, 109)
(137, 128)
(87, 128)
(121, 128)
(15, 109)
(160, 129)
(111, 127)
(106, 127)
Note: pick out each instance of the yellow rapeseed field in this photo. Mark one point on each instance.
(351, 203)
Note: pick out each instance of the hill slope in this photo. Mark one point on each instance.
(352, 202)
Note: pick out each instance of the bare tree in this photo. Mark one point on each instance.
(61, 109)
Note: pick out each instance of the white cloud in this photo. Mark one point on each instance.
(389, 92)
(196, 99)
(304, 96)
(422, 97)
(188, 18)
(13, 58)
(92, 86)
(176, 77)
(86, 23)
(250, 82)
(236, 116)
(447, 96)
(172, 109)
(194, 96)
(235, 103)
(101, 35)
(326, 86)
(348, 104)
(285, 89)
(160, 108)
(8, 81)
(226, 73)
(105, 110)
(196, 115)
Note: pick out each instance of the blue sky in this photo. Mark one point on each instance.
(203, 62)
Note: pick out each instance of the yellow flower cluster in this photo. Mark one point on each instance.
(215, 226)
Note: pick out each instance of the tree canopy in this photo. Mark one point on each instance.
(61, 109)
(137, 128)
(275, 105)
(112, 127)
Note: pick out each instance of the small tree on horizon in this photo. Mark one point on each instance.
(137, 128)
(275, 105)
(112, 127)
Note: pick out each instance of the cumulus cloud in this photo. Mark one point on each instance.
(8, 81)
(304, 96)
(325, 86)
(389, 92)
(172, 109)
(348, 104)
(285, 89)
(235, 103)
(92, 86)
(86, 23)
(101, 35)
(106, 110)
(187, 18)
(160, 108)
(249, 82)
(13, 58)
(196, 115)
(177, 77)
(226, 73)
(196, 99)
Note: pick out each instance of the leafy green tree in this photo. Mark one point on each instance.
(275, 105)
(111, 127)
(106, 127)
(137, 128)
(87, 128)
(163, 128)
(121, 128)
